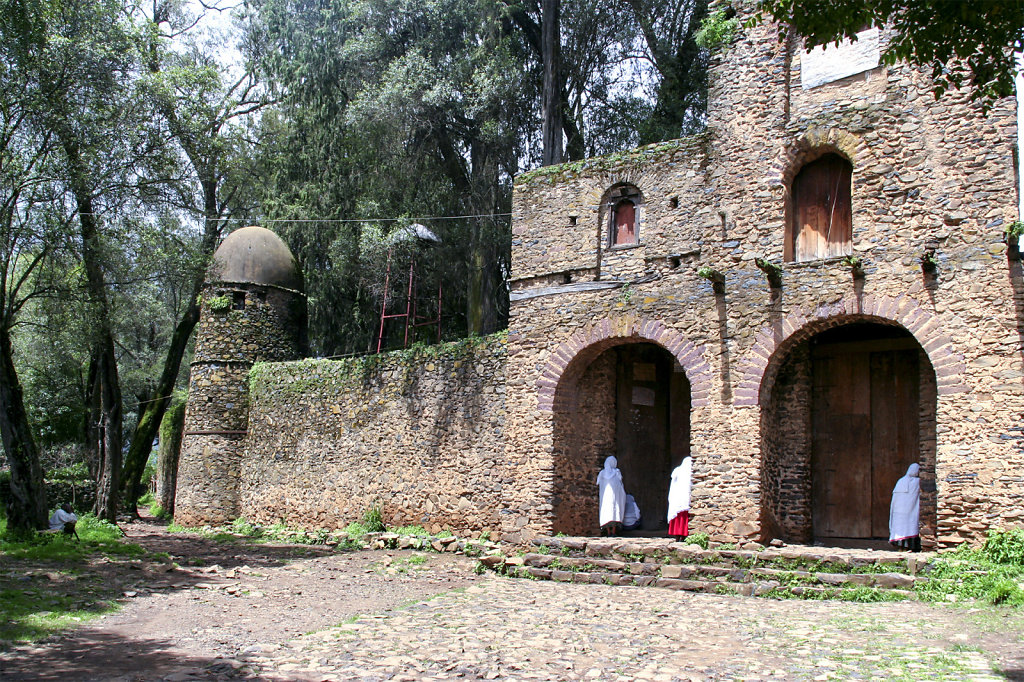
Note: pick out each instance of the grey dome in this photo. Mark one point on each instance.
(255, 255)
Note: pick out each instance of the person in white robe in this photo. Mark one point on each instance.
(611, 497)
(64, 519)
(631, 519)
(905, 511)
(679, 499)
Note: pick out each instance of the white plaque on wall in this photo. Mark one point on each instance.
(828, 63)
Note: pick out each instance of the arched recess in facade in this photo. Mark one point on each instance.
(848, 400)
(622, 388)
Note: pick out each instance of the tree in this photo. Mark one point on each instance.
(424, 114)
(961, 42)
(26, 242)
(83, 58)
(202, 106)
(669, 28)
(551, 92)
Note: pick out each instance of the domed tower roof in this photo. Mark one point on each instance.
(255, 255)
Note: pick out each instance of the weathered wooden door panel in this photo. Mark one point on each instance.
(865, 426)
(841, 446)
(822, 209)
(894, 427)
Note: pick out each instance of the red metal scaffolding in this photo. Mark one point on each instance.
(411, 315)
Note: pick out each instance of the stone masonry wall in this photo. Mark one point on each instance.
(926, 175)
(420, 432)
(239, 324)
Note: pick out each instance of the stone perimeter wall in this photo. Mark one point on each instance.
(420, 432)
(925, 174)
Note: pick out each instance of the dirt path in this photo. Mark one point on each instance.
(223, 599)
(277, 612)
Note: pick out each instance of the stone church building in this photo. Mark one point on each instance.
(808, 297)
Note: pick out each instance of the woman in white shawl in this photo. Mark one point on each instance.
(679, 500)
(612, 497)
(905, 511)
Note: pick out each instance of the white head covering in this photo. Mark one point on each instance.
(679, 490)
(612, 496)
(905, 509)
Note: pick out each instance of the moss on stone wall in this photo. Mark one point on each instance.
(319, 375)
(612, 162)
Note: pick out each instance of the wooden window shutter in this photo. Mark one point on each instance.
(625, 223)
(822, 212)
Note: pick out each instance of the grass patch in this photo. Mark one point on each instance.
(30, 614)
(417, 531)
(993, 573)
(43, 590)
(96, 536)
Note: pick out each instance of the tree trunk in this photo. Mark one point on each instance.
(152, 413)
(172, 428)
(26, 506)
(106, 389)
(108, 428)
(551, 100)
(482, 313)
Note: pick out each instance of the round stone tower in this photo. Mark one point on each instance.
(252, 310)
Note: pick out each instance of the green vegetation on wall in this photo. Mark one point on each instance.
(322, 375)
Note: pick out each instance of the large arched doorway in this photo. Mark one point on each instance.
(845, 411)
(632, 401)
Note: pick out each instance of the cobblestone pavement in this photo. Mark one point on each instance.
(407, 615)
(501, 628)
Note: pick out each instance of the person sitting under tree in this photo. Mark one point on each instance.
(64, 519)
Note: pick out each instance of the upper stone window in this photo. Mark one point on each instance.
(828, 63)
(821, 218)
(623, 204)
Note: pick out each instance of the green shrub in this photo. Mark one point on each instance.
(158, 512)
(716, 30)
(411, 530)
(243, 527)
(994, 573)
(699, 539)
(1005, 546)
(373, 519)
(355, 530)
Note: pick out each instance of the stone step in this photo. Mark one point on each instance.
(723, 585)
(705, 572)
(665, 550)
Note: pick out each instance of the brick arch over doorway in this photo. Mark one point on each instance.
(813, 144)
(556, 387)
(847, 401)
(756, 372)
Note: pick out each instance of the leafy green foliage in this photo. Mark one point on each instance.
(993, 573)
(699, 539)
(717, 30)
(415, 531)
(373, 519)
(1004, 546)
(219, 303)
(1015, 229)
(967, 43)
